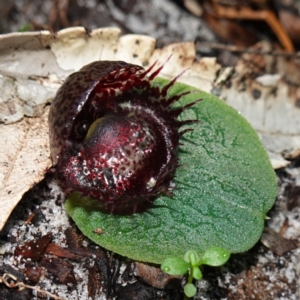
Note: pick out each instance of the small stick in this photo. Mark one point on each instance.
(6, 276)
(29, 219)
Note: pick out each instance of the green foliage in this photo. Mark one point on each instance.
(175, 266)
(190, 290)
(224, 189)
(213, 256)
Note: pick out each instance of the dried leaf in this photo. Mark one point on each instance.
(278, 244)
(61, 268)
(154, 276)
(34, 249)
(24, 159)
(59, 251)
(265, 90)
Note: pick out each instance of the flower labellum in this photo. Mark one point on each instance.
(114, 135)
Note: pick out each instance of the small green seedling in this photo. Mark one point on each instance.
(214, 256)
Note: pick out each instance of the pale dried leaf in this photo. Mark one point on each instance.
(25, 96)
(29, 75)
(270, 80)
(75, 47)
(200, 73)
(26, 54)
(270, 102)
(24, 159)
(141, 48)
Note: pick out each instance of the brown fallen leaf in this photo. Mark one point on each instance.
(34, 249)
(95, 285)
(154, 276)
(55, 249)
(61, 268)
(278, 244)
(34, 273)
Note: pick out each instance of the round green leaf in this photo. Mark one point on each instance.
(175, 266)
(190, 290)
(196, 272)
(224, 189)
(215, 257)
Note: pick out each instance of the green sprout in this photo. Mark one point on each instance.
(177, 266)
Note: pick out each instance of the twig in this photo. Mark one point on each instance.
(29, 219)
(6, 276)
(246, 13)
